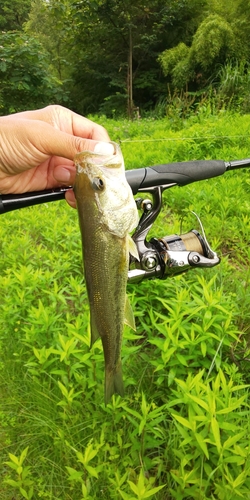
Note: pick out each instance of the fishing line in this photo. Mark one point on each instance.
(186, 138)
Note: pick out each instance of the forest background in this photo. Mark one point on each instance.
(123, 58)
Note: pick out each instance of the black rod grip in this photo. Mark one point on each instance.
(180, 173)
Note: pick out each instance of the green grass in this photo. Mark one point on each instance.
(182, 430)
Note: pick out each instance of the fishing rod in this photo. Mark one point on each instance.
(179, 173)
(158, 257)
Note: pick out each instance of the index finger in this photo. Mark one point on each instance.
(68, 121)
(83, 127)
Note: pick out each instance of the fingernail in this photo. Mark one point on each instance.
(63, 175)
(104, 148)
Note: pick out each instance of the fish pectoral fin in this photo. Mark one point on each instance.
(94, 332)
(129, 318)
(133, 248)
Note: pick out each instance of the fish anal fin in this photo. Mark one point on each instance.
(113, 382)
(129, 318)
(94, 332)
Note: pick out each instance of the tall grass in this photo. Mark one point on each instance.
(226, 90)
(182, 430)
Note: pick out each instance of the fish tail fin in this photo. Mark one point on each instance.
(113, 382)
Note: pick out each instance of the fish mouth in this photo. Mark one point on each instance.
(93, 158)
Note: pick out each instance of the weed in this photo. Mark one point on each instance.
(182, 430)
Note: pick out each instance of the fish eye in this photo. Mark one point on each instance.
(98, 184)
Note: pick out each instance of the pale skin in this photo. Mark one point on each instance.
(38, 147)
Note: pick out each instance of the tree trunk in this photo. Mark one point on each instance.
(130, 77)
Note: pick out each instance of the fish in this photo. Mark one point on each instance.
(107, 213)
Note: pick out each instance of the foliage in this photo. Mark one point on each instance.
(217, 52)
(175, 62)
(233, 83)
(112, 57)
(213, 43)
(109, 57)
(92, 42)
(50, 22)
(182, 430)
(24, 74)
(14, 14)
(134, 29)
(22, 483)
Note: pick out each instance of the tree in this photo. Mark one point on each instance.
(106, 52)
(213, 44)
(50, 22)
(125, 39)
(108, 49)
(13, 14)
(25, 79)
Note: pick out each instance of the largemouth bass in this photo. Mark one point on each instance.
(107, 213)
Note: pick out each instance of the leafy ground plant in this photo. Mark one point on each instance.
(182, 430)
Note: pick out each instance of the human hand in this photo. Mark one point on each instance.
(38, 147)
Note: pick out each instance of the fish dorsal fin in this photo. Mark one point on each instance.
(133, 248)
(129, 318)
